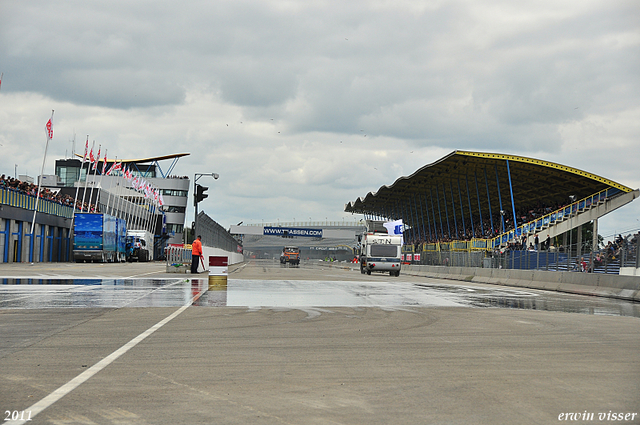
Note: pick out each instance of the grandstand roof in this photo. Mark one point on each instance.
(468, 176)
(144, 160)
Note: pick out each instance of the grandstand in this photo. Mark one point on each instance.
(476, 201)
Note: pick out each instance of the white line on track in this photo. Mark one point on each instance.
(38, 407)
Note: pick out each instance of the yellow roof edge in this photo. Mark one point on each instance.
(546, 164)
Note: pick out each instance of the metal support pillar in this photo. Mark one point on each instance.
(473, 230)
(513, 205)
(446, 210)
(453, 208)
(464, 226)
(500, 200)
(489, 201)
(439, 212)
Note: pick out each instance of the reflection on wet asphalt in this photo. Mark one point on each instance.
(83, 293)
(115, 293)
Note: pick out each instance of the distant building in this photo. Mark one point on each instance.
(115, 195)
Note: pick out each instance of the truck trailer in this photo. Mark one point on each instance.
(380, 252)
(98, 237)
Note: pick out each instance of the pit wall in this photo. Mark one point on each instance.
(601, 285)
(179, 259)
(207, 251)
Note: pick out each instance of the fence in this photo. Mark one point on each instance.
(624, 253)
(214, 235)
(178, 255)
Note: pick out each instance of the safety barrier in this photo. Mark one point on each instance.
(14, 198)
(178, 258)
(178, 255)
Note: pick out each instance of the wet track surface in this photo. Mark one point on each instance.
(22, 293)
(134, 344)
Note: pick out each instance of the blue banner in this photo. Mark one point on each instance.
(292, 231)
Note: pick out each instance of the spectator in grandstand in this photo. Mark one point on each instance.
(583, 265)
(536, 242)
(547, 243)
(598, 260)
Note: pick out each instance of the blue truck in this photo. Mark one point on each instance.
(99, 238)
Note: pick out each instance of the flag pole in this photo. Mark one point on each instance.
(86, 179)
(95, 170)
(49, 131)
(104, 163)
(75, 200)
(110, 184)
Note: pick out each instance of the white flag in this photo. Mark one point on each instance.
(394, 227)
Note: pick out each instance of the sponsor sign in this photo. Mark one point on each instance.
(292, 231)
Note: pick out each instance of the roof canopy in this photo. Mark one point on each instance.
(476, 181)
(143, 160)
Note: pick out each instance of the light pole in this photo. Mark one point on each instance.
(199, 195)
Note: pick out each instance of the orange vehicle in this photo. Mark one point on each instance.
(290, 255)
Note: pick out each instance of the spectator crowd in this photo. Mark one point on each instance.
(30, 189)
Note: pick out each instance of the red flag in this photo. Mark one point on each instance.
(95, 164)
(49, 128)
(86, 148)
(91, 157)
(116, 167)
(1, 79)
(104, 163)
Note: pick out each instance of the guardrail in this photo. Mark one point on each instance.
(178, 255)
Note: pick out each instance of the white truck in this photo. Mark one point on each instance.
(139, 245)
(380, 252)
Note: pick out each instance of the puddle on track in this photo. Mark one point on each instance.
(37, 293)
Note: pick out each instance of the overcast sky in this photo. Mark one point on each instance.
(304, 106)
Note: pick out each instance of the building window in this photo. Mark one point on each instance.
(173, 192)
(174, 209)
(174, 228)
(68, 175)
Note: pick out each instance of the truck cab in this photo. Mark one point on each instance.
(290, 255)
(139, 245)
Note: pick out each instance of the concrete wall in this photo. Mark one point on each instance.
(602, 285)
(629, 271)
(207, 251)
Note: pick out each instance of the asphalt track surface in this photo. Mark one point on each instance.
(308, 345)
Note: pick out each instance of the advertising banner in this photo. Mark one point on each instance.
(292, 231)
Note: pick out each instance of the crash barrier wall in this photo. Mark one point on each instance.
(602, 285)
(179, 258)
